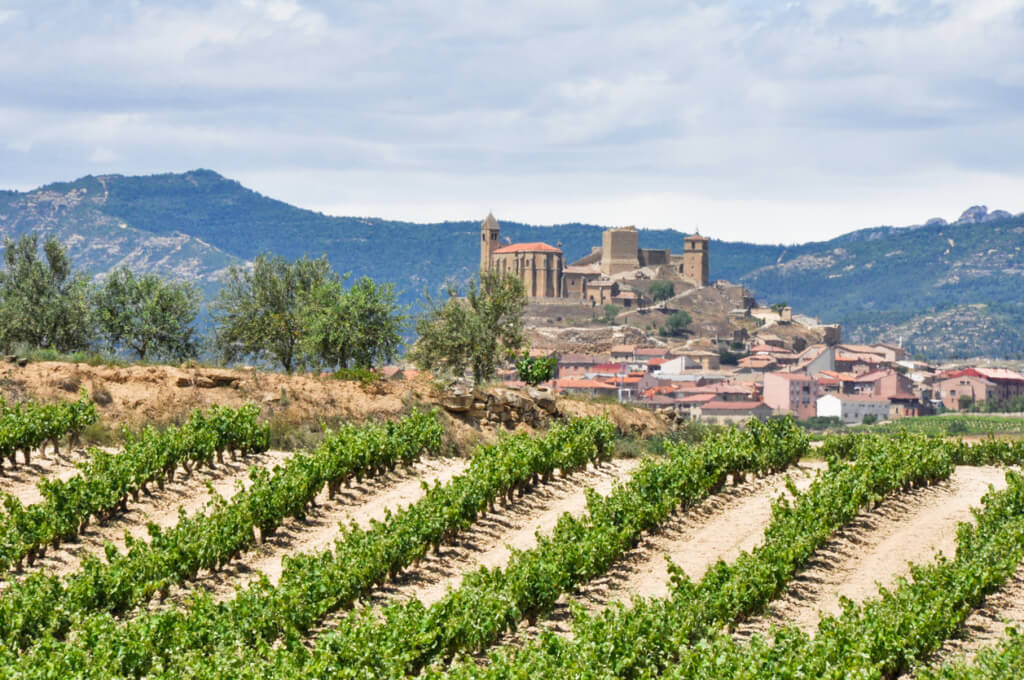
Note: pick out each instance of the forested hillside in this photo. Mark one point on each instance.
(947, 289)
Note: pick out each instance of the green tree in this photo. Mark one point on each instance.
(610, 312)
(358, 327)
(43, 303)
(662, 290)
(473, 332)
(147, 315)
(676, 323)
(259, 311)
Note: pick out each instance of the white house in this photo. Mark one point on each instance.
(851, 408)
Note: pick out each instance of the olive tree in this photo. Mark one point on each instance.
(474, 332)
(147, 315)
(357, 327)
(259, 310)
(43, 303)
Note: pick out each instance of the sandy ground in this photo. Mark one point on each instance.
(21, 481)
(719, 528)
(877, 546)
(489, 543)
(159, 507)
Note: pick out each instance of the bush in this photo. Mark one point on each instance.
(676, 324)
(869, 419)
(662, 290)
(821, 423)
(610, 312)
(535, 370)
(364, 375)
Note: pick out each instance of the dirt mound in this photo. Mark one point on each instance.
(141, 395)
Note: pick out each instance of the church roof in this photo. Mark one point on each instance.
(528, 247)
(490, 222)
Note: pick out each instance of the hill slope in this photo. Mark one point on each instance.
(947, 289)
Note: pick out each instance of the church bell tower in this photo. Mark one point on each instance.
(490, 234)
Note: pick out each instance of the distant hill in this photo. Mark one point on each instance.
(948, 289)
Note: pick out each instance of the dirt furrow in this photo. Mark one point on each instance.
(21, 481)
(361, 503)
(490, 542)
(877, 547)
(159, 506)
(719, 528)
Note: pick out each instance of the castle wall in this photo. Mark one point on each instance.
(650, 257)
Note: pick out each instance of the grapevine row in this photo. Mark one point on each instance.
(645, 639)
(107, 480)
(312, 586)
(28, 426)
(996, 662)
(491, 602)
(886, 636)
(210, 539)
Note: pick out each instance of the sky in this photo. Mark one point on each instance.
(771, 122)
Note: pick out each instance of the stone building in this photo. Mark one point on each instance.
(543, 270)
(695, 260)
(539, 265)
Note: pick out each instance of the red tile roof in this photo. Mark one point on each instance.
(528, 247)
(607, 368)
(698, 399)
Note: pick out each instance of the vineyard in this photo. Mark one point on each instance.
(195, 551)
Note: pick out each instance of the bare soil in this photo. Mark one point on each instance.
(876, 549)
(21, 481)
(719, 528)
(134, 396)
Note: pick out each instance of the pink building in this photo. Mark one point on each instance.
(794, 393)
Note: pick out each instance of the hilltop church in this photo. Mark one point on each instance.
(594, 277)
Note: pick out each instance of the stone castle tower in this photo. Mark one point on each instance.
(695, 259)
(490, 238)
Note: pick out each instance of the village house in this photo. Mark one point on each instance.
(732, 412)
(966, 388)
(852, 408)
(793, 393)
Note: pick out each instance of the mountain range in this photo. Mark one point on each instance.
(947, 289)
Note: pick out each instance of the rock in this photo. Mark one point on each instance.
(544, 398)
(22, 362)
(457, 403)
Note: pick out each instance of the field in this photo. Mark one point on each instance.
(198, 551)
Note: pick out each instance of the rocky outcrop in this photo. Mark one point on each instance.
(533, 406)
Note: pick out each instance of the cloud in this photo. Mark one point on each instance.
(591, 108)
